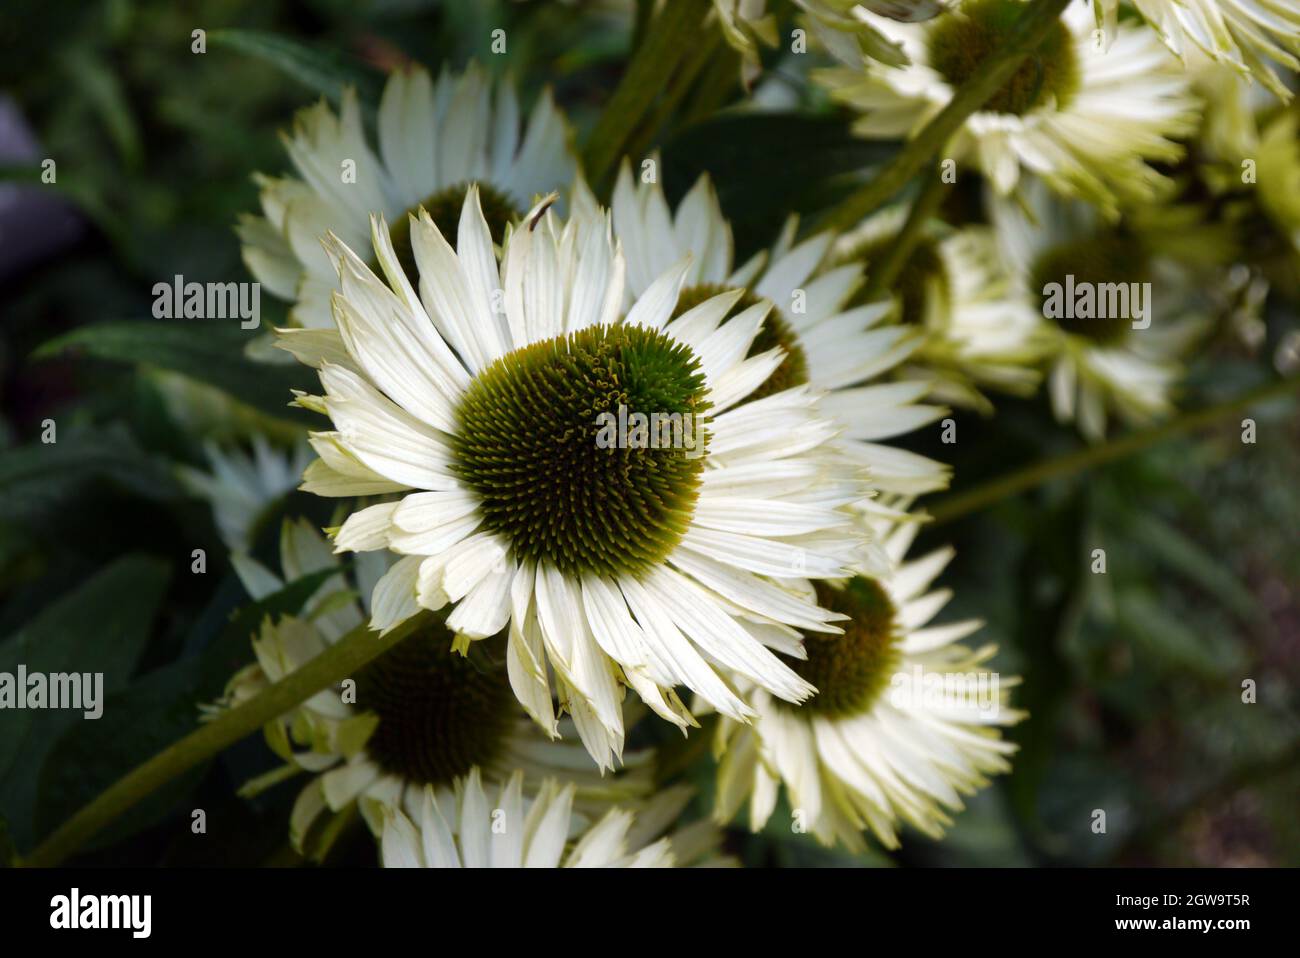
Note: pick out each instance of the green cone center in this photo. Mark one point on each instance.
(440, 713)
(960, 42)
(586, 449)
(775, 331)
(444, 209)
(1080, 281)
(850, 670)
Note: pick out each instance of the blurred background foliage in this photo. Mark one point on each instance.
(1133, 678)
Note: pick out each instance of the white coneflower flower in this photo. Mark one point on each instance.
(464, 830)
(953, 288)
(421, 715)
(615, 552)
(906, 720)
(241, 487)
(1239, 33)
(829, 345)
(434, 139)
(1111, 359)
(846, 28)
(1082, 118)
(843, 25)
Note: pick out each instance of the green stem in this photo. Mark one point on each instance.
(667, 41)
(687, 72)
(333, 665)
(964, 503)
(1022, 39)
(715, 88)
(885, 270)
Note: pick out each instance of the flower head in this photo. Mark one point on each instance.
(590, 480)
(435, 138)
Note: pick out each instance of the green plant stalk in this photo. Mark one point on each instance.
(666, 43)
(881, 275)
(715, 87)
(1025, 35)
(964, 503)
(701, 53)
(333, 665)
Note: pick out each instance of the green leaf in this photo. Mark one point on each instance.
(100, 626)
(208, 353)
(8, 853)
(155, 711)
(100, 84)
(325, 72)
(1051, 591)
(37, 478)
(1192, 560)
(138, 722)
(766, 165)
(1174, 643)
(231, 650)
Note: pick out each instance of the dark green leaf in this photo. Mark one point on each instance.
(766, 165)
(155, 711)
(99, 627)
(326, 73)
(39, 477)
(209, 353)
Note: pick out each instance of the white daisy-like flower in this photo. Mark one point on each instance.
(746, 25)
(1119, 353)
(464, 830)
(241, 486)
(434, 139)
(834, 347)
(845, 27)
(1084, 119)
(1242, 34)
(954, 289)
(420, 716)
(532, 493)
(840, 24)
(906, 722)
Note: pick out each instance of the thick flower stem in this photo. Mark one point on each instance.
(964, 503)
(1028, 32)
(885, 270)
(336, 663)
(688, 71)
(669, 38)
